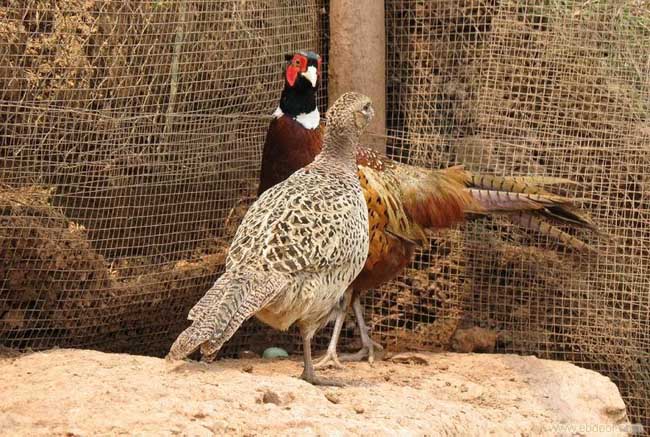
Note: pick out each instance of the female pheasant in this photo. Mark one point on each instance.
(297, 250)
(402, 200)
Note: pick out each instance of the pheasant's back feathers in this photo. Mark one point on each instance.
(367, 157)
(434, 198)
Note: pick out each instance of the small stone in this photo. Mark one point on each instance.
(248, 368)
(332, 397)
(248, 355)
(474, 339)
(271, 397)
(359, 410)
(410, 358)
(614, 411)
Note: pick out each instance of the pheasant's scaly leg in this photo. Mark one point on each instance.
(308, 372)
(369, 346)
(331, 358)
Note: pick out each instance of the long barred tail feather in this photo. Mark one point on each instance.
(440, 198)
(529, 221)
(528, 204)
(502, 201)
(233, 298)
(567, 215)
(517, 184)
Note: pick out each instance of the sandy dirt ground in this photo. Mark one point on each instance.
(80, 392)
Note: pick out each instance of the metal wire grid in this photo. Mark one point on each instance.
(129, 130)
(529, 87)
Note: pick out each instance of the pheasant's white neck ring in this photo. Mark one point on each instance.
(310, 120)
(278, 113)
(311, 75)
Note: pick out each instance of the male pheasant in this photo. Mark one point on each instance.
(297, 250)
(402, 200)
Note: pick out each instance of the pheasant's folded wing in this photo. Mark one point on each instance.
(297, 230)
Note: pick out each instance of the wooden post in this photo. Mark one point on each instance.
(357, 57)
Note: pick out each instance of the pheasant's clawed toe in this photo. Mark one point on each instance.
(374, 353)
(330, 359)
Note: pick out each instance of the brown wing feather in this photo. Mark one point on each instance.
(388, 253)
(431, 198)
(434, 198)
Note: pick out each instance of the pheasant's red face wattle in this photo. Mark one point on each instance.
(298, 65)
(292, 74)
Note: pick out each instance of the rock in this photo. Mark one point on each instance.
(474, 340)
(410, 358)
(477, 394)
(271, 397)
(248, 355)
(332, 397)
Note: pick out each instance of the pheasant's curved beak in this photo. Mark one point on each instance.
(363, 117)
(370, 114)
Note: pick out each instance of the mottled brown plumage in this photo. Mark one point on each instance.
(296, 251)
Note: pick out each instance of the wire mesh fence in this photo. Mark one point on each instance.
(129, 130)
(131, 133)
(557, 88)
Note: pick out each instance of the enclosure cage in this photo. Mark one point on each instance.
(131, 141)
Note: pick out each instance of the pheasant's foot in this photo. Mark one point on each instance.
(330, 359)
(308, 371)
(209, 358)
(315, 380)
(371, 351)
